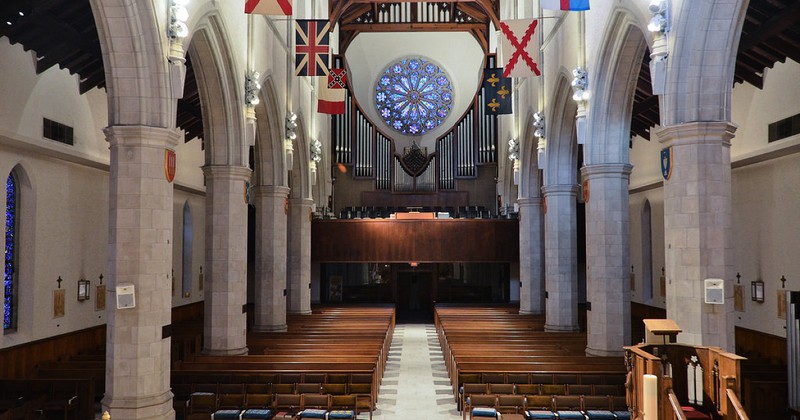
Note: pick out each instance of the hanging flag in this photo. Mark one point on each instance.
(331, 92)
(519, 45)
(496, 92)
(269, 7)
(311, 47)
(574, 5)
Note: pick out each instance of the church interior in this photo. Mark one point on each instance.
(382, 209)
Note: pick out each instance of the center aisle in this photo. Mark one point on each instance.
(415, 385)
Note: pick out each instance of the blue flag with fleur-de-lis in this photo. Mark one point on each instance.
(496, 92)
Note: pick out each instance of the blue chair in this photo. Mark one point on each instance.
(540, 415)
(623, 415)
(570, 415)
(257, 414)
(226, 414)
(600, 415)
(341, 414)
(313, 413)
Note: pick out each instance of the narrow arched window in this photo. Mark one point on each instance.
(186, 270)
(11, 258)
(647, 252)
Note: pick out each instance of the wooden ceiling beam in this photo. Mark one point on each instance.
(779, 22)
(413, 27)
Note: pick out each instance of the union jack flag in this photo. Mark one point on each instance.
(312, 47)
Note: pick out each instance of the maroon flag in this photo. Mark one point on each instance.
(311, 47)
(269, 7)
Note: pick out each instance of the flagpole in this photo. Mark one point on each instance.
(289, 57)
(540, 147)
(250, 43)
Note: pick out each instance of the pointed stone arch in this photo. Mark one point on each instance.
(221, 95)
(529, 177)
(562, 148)
(135, 61)
(702, 61)
(613, 81)
(270, 168)
(300, 178)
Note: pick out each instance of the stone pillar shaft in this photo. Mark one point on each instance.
(140, 233)
(697, 229)
(271, 251)
(607, 258)
(299, 271)
(561, 257)
(225, 327)
(531, 262)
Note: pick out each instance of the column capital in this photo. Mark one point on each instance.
(278, 191)
(560, 189)
(697, 132)
(607, 170)
(227, 171)
(529, 202)
(141, 135)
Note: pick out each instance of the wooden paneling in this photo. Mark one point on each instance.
(384, 240)
(759, 347)
(440, 199)
(21, 361)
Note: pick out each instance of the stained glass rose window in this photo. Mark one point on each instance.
(413, 96)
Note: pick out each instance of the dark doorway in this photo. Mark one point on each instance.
(415, 296)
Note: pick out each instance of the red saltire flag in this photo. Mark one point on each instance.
(520, 45)
(312, 47)
(574, 5)
(331, 92)
(269, 7)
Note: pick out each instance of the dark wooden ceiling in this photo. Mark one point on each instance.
(63, 33)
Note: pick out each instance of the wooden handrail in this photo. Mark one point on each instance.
(676, 405)
(735, 406)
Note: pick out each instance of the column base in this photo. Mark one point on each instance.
(226, 352)
(562, 328)
(604, 353)
(521, 312)
(306, 312)
(270, 328)
(147, 408)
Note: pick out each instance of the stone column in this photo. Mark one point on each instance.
(140, 236)
(271, 216)
(531, 261)
(697, 229)
(607, 258)
(300, 255)
(561, 257)
(225, 327)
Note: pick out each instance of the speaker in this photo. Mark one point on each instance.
(715, 291)
(126, 296)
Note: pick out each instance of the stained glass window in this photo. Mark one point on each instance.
(9, 307)
(413, 96)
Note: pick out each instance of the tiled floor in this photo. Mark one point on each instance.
(415, 385)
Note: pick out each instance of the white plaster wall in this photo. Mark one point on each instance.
(197, 205)
(754, 109)
(765, 197)
(64, 233)
(458, 54)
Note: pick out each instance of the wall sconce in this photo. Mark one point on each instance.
(757, 291)
(83, 290)
(315, 148)
(659, 22)
(251, 88)
(580, 85)
(539, 133)
(178, 15)
(290, 125)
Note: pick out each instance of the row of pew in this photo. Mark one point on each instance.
(335, 354)
(493, 353)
